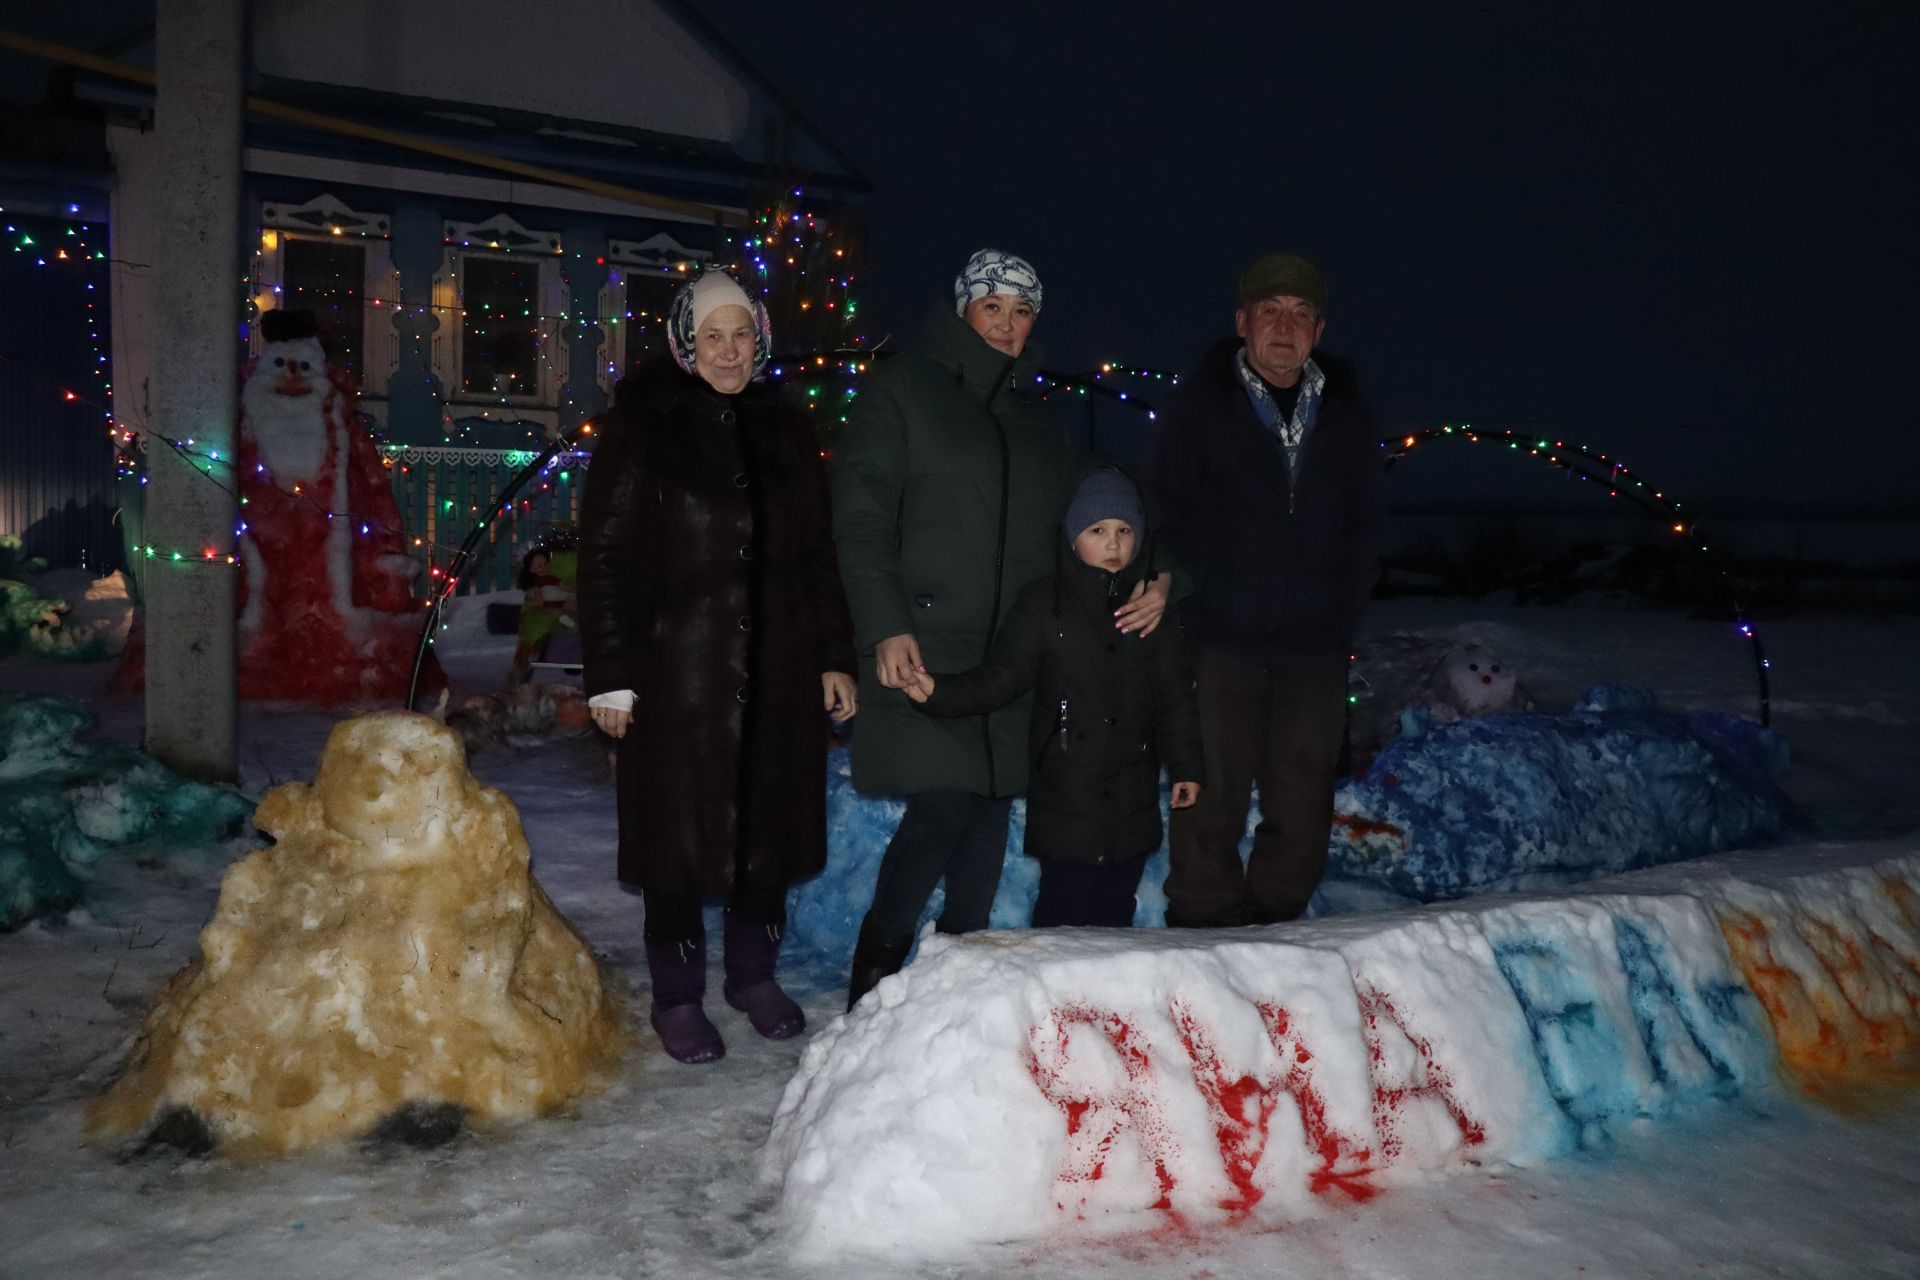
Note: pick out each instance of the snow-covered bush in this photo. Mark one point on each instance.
(65, 803)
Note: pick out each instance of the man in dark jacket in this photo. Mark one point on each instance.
(1270, 477)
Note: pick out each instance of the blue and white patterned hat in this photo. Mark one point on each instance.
(707, 293)
(992, 271)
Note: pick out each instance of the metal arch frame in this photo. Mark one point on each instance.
(1620, 481)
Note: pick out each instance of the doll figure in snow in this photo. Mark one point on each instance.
(1408, 683)
(1472, 681)
(547, 576)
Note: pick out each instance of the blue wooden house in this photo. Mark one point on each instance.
(481, 311)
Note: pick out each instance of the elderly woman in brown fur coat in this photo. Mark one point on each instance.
(710, 603)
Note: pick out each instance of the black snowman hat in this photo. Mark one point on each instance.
(282, 325)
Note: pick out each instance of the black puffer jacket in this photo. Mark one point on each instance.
(1108, 710)
(1277, 559)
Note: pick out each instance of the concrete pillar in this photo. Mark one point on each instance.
(198, 60)
(136, 185)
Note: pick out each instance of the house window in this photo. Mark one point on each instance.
(327, 277)
(649, 295)
(500, 327)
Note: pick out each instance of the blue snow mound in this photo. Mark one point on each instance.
(1532, 800)
(65, 804)
(824, 913)
(1519, 801)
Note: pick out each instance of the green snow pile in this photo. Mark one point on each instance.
(66, 804)
(33, 623)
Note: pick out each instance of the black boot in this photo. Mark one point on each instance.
(679, 972)
(872, 961)
(752, 950)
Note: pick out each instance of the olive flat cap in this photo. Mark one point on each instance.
(1279, 274)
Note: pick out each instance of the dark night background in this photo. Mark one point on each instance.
(1683, 233)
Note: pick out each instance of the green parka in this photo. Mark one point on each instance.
(946, 491)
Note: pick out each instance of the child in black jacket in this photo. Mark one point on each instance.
(1108, 710)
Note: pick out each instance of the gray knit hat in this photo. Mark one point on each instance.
(1283, 274)
(992, 271)
(1106, 494)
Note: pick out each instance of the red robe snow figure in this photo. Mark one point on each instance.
(326, 607)
(325, 592)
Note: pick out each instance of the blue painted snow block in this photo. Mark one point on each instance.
(1500, 802)
(1533, 800)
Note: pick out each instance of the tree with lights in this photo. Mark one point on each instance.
(804, 263)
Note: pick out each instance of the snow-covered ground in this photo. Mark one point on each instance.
(660, 1174)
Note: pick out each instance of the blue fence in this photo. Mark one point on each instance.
(444, 492)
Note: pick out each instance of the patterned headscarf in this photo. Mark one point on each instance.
(695, 302)
(992, 271)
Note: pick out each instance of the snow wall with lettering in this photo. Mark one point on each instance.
(1014, 1085)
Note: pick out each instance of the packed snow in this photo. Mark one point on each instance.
(1011, 1086)
(65, 804)
(1744, 1173)
(388, 964)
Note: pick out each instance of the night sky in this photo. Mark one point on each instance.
(1685, 233)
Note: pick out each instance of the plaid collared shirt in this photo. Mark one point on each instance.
(1306, 409)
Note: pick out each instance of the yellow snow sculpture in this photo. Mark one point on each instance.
(390, 953)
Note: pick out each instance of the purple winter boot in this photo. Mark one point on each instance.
(753, 947)
(679, 972)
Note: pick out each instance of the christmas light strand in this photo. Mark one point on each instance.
(1620, 481)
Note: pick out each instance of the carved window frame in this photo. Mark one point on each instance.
(499, 237)
(320, 219)
(657, 255)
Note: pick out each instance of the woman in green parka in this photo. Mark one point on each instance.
(946, 495)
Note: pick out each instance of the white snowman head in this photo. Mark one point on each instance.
(1476, 682)
(284, 400)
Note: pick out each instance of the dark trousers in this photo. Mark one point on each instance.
(675, 917)
(1077, 893)
(1276, 719)
(954, 836)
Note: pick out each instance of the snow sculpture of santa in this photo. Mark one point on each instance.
(326, 606)
(325, 594)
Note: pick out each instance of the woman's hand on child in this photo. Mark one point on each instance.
(840, 695)
(896, 659)
(1145, 607)
(920, 688)
(1185, 795)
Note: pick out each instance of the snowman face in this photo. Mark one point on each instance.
(1478, 683)
(293, 368)
(284, 406)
